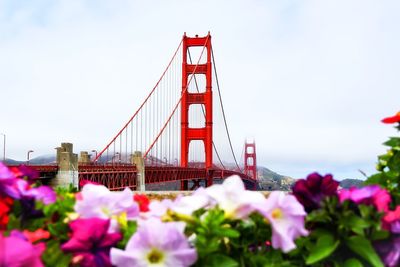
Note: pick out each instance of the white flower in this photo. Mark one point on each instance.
(232, 197)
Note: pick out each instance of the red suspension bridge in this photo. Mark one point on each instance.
(170, 136)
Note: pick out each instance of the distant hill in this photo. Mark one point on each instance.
(347, 183)
(40, 160)
(270, 180)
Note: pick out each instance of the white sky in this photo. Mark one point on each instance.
(308, 80)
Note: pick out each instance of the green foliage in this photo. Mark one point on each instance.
(363, 247)
(388, 167)
(220, 241)
(336, 228)
(54, 256)
(127, 231)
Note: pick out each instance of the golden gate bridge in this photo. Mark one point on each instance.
(169, 138)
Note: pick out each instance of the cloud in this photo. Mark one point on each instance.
(308, 80)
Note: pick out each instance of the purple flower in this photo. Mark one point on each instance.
(310, 191)
(23, 171)
(16, 250)
(42, 193)
(389, 251)
(368, 195)
(286, 216)
(156, 244)
(90, 243)
(8, 181)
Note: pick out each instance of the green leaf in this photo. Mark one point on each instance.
(54, 256)
(393, 141)
(363, 247)
(220, 260)
(227, 232)
(356, 224)
(325, 246)
(353, 262)
(127, 233)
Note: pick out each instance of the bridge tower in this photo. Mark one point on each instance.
(188, 98)
(250, 160)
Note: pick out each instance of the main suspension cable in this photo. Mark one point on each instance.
(223, 111)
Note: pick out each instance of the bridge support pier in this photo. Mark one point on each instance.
(210, 176)
(67, 167)
(184, 185)
(137, 159)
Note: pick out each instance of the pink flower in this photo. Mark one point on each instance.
(286, 216)
(368, 195)
(17, 251)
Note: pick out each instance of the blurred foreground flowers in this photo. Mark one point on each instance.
(317, 224)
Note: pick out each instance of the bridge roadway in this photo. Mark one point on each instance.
(118, 176)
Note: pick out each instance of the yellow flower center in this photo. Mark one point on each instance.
(155, 256)
(277, 213)
(106, 211)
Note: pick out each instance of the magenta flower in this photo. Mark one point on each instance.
(391, 221)
(156, 244)
(286, 216)
(310, 191)
(16, 250)
(368, 195)
(90, 243)
(23, 171)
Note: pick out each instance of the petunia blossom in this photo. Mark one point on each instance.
(96, 201)
(5, 207)
(24, 171)
(232, 197)
(389, 251)
(368, 195)
(156, 244)
(8, 186)
(188, 204)
(16, 250)
(391, 221)
(143, 202)
(310, 191)
(90, 243)
(34, 236)
(286, 216)
(182, 204)
(42, 193)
